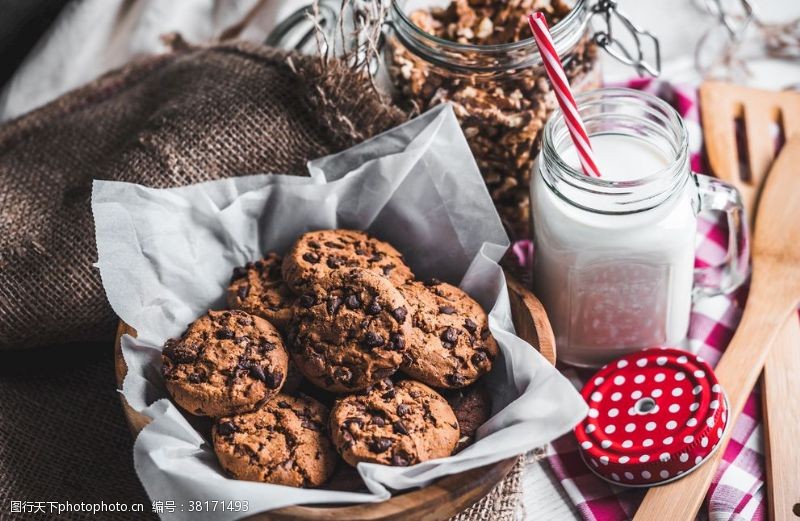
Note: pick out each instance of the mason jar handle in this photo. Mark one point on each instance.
(604, 39)
(717, 196)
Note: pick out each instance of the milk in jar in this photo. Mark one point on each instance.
(614, 257)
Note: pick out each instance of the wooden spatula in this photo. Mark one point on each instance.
(743, 161)
(774, 295)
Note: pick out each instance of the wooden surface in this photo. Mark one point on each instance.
(530, 320)
(760, 111)
(721, 104)
(440, 500)
(780, 395)
(774, 294)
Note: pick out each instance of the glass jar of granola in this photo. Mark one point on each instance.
(480, 56)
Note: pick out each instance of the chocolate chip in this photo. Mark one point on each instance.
(347, 437)
(243, 291)
(387, 269)
(266, 346)
(432, 282)
(225, 334)
(352, 302)
(373, 340)
(400, 314)
(244, 321)
(388, 395)
(273, 379)
(196, 378)
(238, 273)
(402, 409)
(311, 425)
(333, 304)
(333, 262)
(470, 326)
(226, 428)
(376, 257)
(348, 422)
(377, 420)
(447, 310)
(283, 404)
(379, 445)
(361, 251)
(257, 372)
(479, 358)
(450, 335)
(373, 308)
(396, 342)
(307, 300)
(485, 333)
(314, 244)
(399, 461)
(311, 257)
(250, 265)
(343, 375)
(399, 427)
(455, 380)
(334, 245)
(180, 353)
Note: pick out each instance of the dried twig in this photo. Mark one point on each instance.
(358, 44)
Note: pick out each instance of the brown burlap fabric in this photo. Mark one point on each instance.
(193, 115)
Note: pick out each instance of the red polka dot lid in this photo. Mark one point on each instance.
(653, 416)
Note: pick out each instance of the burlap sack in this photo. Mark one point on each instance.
(193, 115)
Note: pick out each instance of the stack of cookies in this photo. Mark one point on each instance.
(340, 322)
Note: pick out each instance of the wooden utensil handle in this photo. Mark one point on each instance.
(780, 388)
(766, 311)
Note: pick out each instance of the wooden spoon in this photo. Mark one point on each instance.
(774, 294)
(758, 111)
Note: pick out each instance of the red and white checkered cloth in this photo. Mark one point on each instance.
(737, 491)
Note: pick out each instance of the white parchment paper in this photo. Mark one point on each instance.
(165, 257)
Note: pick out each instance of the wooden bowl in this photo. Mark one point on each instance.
(442, 499)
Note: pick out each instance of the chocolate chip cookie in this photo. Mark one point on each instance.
(349, 330)
(284, 442)
(225, 363)
(316, 254)
(258, 289)
(401, 424)
(450, 344)
(473, 407)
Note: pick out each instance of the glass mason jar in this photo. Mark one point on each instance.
(500, 92)
(614, 256)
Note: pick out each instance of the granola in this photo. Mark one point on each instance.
(501, 112)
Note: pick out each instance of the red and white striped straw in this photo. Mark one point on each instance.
(555, 71)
